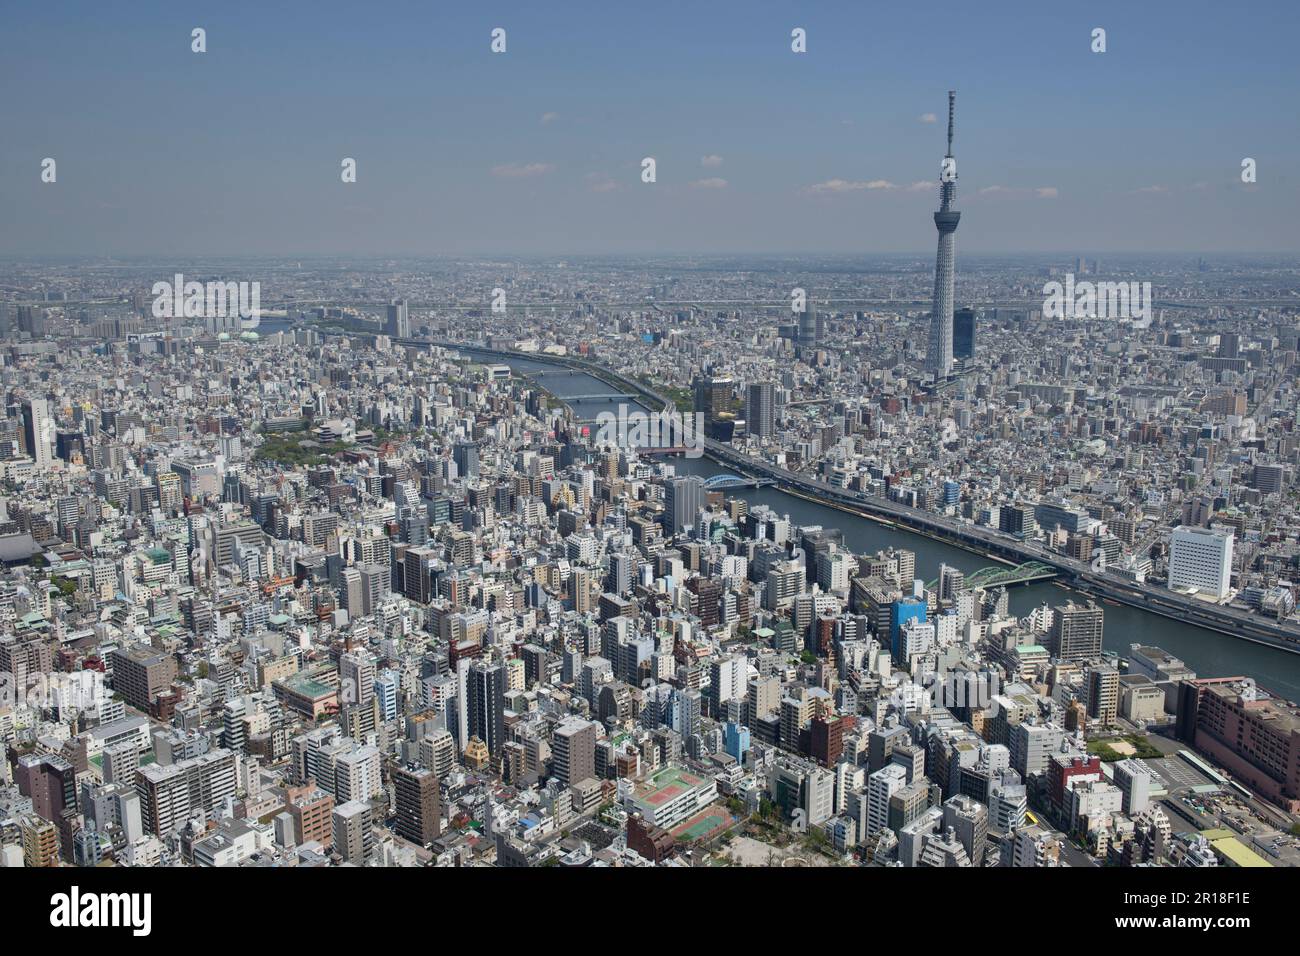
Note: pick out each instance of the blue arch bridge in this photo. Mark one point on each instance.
(723, 482)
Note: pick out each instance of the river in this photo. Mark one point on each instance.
(1208, 653)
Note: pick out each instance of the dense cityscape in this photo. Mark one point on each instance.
(541, 450)
(357, 581)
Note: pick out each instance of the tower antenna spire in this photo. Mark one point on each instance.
(952, 109)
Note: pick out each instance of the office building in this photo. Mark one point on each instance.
(683, 500)
(1200, 560)
(1252, 734)
(760, 409)
(38, 432)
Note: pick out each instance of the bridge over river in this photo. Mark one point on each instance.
(1002, 576)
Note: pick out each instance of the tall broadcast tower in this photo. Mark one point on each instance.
(939, 355)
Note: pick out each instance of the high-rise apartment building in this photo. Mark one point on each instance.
(311, 810)
(49, 782)
(141, 673)
(418, 805)
(573, 751)
(1103, 695)
(882, 785)
(486, 704)
(171, 793)
(353, 831)
(1076, 632)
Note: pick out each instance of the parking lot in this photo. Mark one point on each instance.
(1177, 775)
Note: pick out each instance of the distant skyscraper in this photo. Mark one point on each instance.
(712, 394)
(399, 322)
(760, 409)
(812, 327)
(466, 457)
(31, 320)
(963, 333)
(38, 430)
(939, 356)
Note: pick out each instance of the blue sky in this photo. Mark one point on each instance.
(538, 150)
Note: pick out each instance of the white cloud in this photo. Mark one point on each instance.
(521, 170)
(928, 118)
(850, 186)
(1021, 192)
(920, 186)
(549, 118)
(711, 183)
(600, 183)
(711, 161)
(1152, 189)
